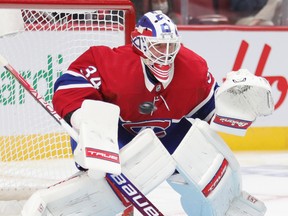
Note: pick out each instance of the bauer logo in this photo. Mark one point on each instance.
(134, 196)
(232, 122)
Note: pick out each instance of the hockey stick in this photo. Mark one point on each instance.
(121, 182)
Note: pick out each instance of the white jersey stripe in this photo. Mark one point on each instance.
(74, 74)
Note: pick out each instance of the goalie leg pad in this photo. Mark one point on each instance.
(80, 195)
(211, 172)
(146, 162)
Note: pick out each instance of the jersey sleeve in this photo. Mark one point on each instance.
(81, 81)
(208, 85)
(206, 107)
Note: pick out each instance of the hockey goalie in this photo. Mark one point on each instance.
(151, 110)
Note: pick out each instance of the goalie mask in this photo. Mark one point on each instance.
(156, 40)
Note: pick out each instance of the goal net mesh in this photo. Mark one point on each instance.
(40, 43)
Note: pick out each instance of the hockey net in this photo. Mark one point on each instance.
(40, 39)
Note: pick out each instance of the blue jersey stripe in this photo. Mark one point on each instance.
(68, 79)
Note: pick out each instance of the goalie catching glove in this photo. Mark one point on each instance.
(240, 100)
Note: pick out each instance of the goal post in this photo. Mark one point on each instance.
(41, 38)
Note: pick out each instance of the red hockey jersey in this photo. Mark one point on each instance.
(118, 76)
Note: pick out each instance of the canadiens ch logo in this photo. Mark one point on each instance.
(158, 126)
